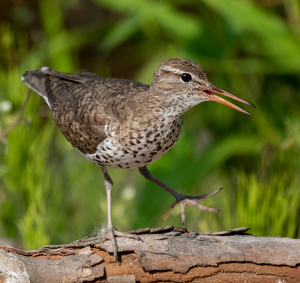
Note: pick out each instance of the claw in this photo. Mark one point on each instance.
(184, 200)
(111, 234)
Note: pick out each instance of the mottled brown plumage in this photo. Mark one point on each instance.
(118, 123)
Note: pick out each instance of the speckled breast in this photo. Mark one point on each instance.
(136, 149)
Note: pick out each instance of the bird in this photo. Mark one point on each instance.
(124, 124)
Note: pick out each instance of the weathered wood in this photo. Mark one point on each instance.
(161, 255)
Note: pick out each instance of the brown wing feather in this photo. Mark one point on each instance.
(71, 78)
(83, 104)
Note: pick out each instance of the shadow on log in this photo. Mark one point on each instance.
(162, 255)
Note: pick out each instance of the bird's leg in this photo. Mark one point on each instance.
(111, 231)
(183, 200)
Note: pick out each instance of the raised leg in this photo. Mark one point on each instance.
(111, 231)
(183, 200)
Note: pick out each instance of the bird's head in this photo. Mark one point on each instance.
(184, 82)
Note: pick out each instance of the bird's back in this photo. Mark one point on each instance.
(58, 87)
(83, 104)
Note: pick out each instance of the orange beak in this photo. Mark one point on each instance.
(213, 97)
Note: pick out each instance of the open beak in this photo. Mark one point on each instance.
(212, 90)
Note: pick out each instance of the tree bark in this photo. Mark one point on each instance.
(161, 255)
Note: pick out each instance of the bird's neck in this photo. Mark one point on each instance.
(173, 103)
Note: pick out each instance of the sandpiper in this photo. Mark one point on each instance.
(119, 123)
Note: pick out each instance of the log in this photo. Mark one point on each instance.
(168, 254)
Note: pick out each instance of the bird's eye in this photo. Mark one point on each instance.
(186, 77)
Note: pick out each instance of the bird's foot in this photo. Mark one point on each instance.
(111, 233)
(184, 200)
(180, 198)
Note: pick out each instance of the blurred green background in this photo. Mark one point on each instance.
(49, 194)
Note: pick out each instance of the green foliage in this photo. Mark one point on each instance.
(50, 194)
(273, 194)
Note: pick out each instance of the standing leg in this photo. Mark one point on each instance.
(183, 200)
(110, 227)
(111, 231)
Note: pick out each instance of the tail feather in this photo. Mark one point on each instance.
(52, 85)
(36, 81)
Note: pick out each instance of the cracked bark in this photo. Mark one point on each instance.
(163, 255)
